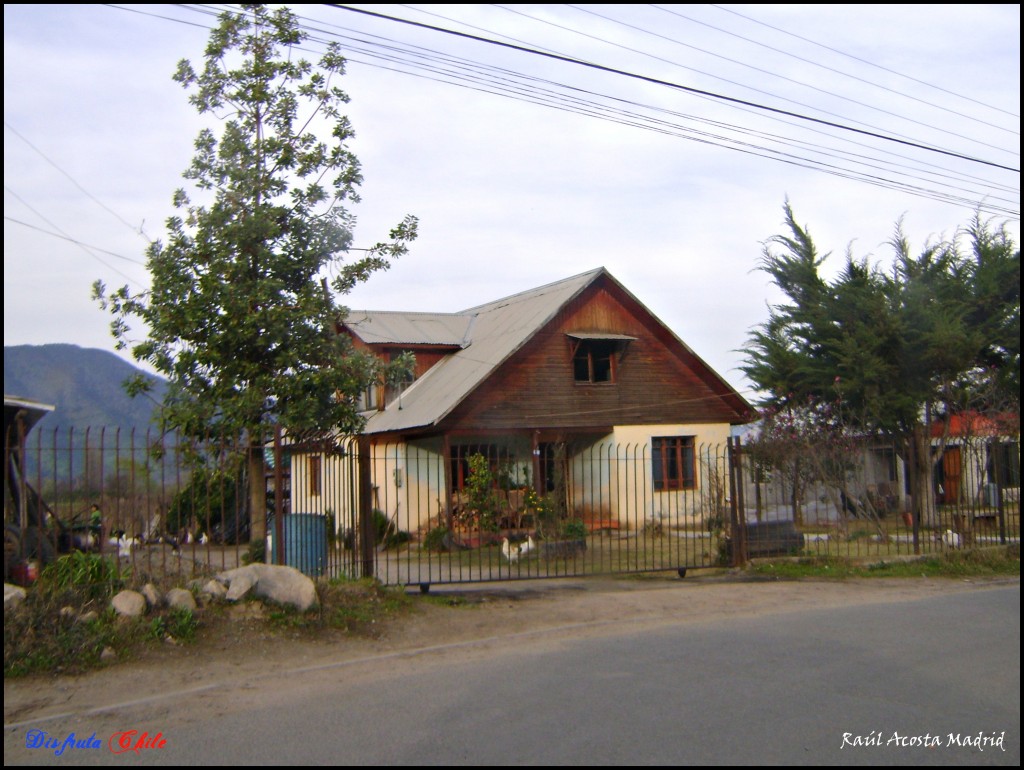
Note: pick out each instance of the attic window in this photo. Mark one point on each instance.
(595, 356)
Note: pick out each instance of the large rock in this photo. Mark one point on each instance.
(283, 585)
(13, 596)
(129, 604)
(181, 598)
(212, 590)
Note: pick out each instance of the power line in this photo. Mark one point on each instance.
(84, 246)
(864, 61)
(481, 81)
(89, 195)
(476, 74)
(677, 86)
(782, 77)
(833, 69)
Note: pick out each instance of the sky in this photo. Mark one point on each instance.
(525, 169)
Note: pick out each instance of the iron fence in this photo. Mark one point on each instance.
(443, 511)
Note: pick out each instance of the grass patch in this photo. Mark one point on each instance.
(353, 606)
(960, 564)
(58, 632)
(65, 622)
(446, 600)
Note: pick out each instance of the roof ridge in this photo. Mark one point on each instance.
(535, 291)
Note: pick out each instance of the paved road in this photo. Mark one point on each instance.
(777, 688)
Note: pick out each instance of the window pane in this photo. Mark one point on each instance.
(673, 463)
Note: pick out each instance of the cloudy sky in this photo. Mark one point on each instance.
(526, 169)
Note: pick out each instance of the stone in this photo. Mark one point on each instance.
(240, 584)
(151, 594)
(276, 583)
(180, 598)
(13, 596)
(129, 604)
(214, 589)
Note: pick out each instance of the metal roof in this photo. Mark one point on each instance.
(486, 336)
(375, 327)
(490, 334)
(32, 411)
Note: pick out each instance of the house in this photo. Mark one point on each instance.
(981, 453)
(573, 391)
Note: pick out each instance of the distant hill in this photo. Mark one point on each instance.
(84, 384)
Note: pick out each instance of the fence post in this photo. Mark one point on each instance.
(737, 520)
(994, 453)
(365, 501)
(278, 499)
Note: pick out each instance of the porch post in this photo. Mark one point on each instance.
(538, 484)
(446, 473)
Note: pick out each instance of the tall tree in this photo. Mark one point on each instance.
(240, 317)
(891, 347)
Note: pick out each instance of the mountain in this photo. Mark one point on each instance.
(84, 384)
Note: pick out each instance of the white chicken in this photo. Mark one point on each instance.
(951, 539)
(509, 551)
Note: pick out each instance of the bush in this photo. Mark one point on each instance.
(437, 540)
(574, 529)
(88, 574)
(386, 533)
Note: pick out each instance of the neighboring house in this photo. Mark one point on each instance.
(573, 389)
(875, 474)
(980, 452)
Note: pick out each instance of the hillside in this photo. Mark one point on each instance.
(84, 384)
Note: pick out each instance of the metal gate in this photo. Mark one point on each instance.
(433, 512)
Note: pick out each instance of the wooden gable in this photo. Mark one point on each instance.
(655, 379)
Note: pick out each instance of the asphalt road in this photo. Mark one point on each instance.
(879, 683)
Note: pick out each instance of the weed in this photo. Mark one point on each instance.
(446, 600)
(437, 540)
(576, 529)
(40, 636)
(92, 575)
(256, 553)
(179, 623)
(981, 563)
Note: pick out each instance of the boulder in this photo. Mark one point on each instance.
(279, 584)
(213, 589)
(179, 597)
(129, 604)
(13, 596)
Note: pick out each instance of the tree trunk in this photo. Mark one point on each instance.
(796, 500)
(921, 487)
(258, 495)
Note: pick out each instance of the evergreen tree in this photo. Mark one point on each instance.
(892, 348)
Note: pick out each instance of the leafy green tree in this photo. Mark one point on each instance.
(241, 316)
(891, 348)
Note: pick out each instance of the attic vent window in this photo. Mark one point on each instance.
(595, 357)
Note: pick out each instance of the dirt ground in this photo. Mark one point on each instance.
(237, 649)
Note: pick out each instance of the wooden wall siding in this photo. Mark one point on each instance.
(536, 388)
(424, 359)
(426, 356)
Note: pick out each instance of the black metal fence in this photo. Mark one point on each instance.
(433, 511)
